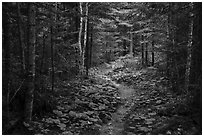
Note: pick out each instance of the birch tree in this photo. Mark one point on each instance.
(82, 47)
(80, 36)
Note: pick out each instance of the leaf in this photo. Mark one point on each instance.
(102, 106)
(67, 133)
(144, 129)
(125, 24)
(152, 114)
(89, 112)
(72, 113)
(57, 112)
(93, 119)
(132, 127)
(62, 126)
(158, 102)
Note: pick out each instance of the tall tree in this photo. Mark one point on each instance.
(52, 57)
(80, 38)
(7, 62)
(146, 54)
(85, 36)
(21, 40)
(31, 63)
(189, 49)
(142, 49)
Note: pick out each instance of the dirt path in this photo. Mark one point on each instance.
(116, 125)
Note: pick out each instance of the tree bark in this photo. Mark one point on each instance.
(43, 54)
(146, 54)
(79, 39)
(52, 58)
(31, 64)
(189, 50)
(168, 51)
(195, 78)
(131, 42)
(152, 53)
(91, 45)
(21, 41)
(142, 50)
(6, 51)
(85, 38)
(124, 47)
(87, 49)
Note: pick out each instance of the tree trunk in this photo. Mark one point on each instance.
(85, 38)
(142, 47)
(195, 78)
(21, 41)
(52, 58)
(79, 39)
(43, 54)
(31, 64)
(91, 45)
(87, 49)
(152, 53)
(131, 43)
(124, 47)
(189, 48)
(6, 51)
(168, 52)
(146, 54)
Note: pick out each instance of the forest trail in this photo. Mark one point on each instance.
(116, 125)
(147, 105)
(117, 99)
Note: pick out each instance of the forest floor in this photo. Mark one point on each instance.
(118, 99)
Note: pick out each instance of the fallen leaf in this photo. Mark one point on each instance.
(158, 102)
(57, 112)
(152, 114)
(62, 126)
(143, 129)
(67, 133)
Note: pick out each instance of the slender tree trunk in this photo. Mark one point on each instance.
(43, 54)
(91, 45)
(52, 57)
(85, 38)
(87, 49)
(142, 50)
(172, 48)
(131, 43)
(146, 53)
(21, 41)
(169, 44)
(31, 64)
(189, 48)
(6, 47)
(152, 53)
(79, 40)
(124, 47)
